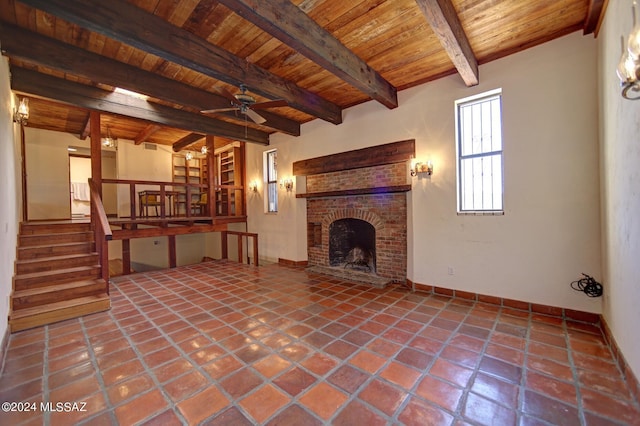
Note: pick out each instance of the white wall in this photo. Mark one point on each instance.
(620, 156)
(10, 192)
(550, 231)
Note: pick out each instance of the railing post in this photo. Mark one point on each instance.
(104, 259)
(223, 239)
(133, 200)
(188, 200)
(240, 254)
(163, 208)
(102, 231)
(255, 249)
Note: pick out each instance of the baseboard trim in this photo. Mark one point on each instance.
(626, 370)
(519, 306)
(294, 263)
(4, 344)
(507, 304)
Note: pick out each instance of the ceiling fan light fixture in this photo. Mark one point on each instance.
(245, 99)
(246, 104)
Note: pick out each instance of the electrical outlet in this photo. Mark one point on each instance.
(450, 270)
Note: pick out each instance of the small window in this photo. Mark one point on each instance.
(271, 180)
(479, 152)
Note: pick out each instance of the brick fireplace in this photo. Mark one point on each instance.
(358, 198)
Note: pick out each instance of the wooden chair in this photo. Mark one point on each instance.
(149, 200)
(200, 206)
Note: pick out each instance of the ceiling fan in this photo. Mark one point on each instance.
(246, 104)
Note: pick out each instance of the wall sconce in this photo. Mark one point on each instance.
(204, 150)
(21, 114)
(420, 167)
(629, 66)
(287, 184)
(253, 186)
(188, 156)
(109, 142)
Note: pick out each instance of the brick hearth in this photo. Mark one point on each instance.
(386, 212)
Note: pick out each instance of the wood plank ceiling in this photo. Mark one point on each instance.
(320, 56)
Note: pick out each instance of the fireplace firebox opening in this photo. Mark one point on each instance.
(352, 244)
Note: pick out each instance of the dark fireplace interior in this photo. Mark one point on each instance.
(352, 244)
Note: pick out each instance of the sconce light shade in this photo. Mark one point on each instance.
(633, 44)
(422, 168)
(253, 186)
(188, 156)
(21, 114)
(628, 69)
(204, 150)
(287, 184)
(109, 141)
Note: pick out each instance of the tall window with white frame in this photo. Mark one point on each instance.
(271, 180)
(479, 152)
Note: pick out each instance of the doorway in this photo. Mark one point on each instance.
(79, 174)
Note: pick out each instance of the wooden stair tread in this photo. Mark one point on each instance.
(57, 306)
(57, 275)
(56, 287)
(52, 228)
(56, 272)
(59, 257)
(56, 234)
(72, 243)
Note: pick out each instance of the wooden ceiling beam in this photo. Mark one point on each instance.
(44, 51)
(36, 84)
(444, 21)
(287, 22)
(184, 142)
(126, 23)
(86, 128)
(594, 16)
(149, 130)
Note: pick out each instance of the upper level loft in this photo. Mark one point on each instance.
(160, 195)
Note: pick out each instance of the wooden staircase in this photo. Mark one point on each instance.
(57, 275)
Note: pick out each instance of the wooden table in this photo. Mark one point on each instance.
(144, 206)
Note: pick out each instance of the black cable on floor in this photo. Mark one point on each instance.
(588, 285)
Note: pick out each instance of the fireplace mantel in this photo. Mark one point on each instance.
(357, 191)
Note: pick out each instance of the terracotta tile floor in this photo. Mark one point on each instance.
(226, 344)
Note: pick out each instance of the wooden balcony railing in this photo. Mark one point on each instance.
(176, 199)
(240, 236)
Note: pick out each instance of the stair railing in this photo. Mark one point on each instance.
(240, 235)
(102, 230)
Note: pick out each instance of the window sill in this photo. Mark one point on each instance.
(481, 213)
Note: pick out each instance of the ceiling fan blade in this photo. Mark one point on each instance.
(270, 104)
(224, 92)
(207, 111)
(255, 116)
